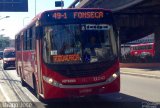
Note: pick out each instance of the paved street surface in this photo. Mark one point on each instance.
(136, 92)
(141, 87)
(11, 91)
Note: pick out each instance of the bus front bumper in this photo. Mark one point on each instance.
(51, 91)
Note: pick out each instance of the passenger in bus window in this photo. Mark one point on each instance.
(93, 45)
(67, 48)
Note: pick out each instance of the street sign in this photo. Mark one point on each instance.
(13, 5)
(59, 3)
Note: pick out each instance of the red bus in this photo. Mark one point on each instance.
(145, 49)
(69, 52)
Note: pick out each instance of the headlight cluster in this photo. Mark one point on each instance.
(51, 81)
(113, 76)
(57, 84)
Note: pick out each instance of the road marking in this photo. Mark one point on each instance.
(30, 96)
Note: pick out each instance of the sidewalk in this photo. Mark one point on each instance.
(147, 72)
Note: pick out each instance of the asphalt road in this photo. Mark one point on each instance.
(12, 94)
(141, 87)
(136, 92)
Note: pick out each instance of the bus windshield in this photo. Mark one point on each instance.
(79, 43)
(9, 55)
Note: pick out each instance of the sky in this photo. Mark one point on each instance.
(14, 23)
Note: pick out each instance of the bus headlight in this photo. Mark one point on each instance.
(51, 81)
(113, 76)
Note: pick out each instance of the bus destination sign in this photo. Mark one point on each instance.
(78, 15)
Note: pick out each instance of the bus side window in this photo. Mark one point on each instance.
(18, 43)
(33, 37)
(38, 32)
(25, 41)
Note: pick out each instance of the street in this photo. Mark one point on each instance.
(135, 91)
(11, 90)
(141, 87)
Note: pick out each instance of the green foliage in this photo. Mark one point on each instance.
(4, 43)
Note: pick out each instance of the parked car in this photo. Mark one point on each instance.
(8, 58)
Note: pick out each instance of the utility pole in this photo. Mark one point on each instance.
(35, 7)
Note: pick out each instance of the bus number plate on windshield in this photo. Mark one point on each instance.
(95, 27)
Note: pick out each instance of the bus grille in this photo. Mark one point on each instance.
(11, 62)
(82, 73)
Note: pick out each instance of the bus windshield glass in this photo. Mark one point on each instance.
(79, 43)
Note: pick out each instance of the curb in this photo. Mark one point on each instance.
(139, 65)
(141, 75)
